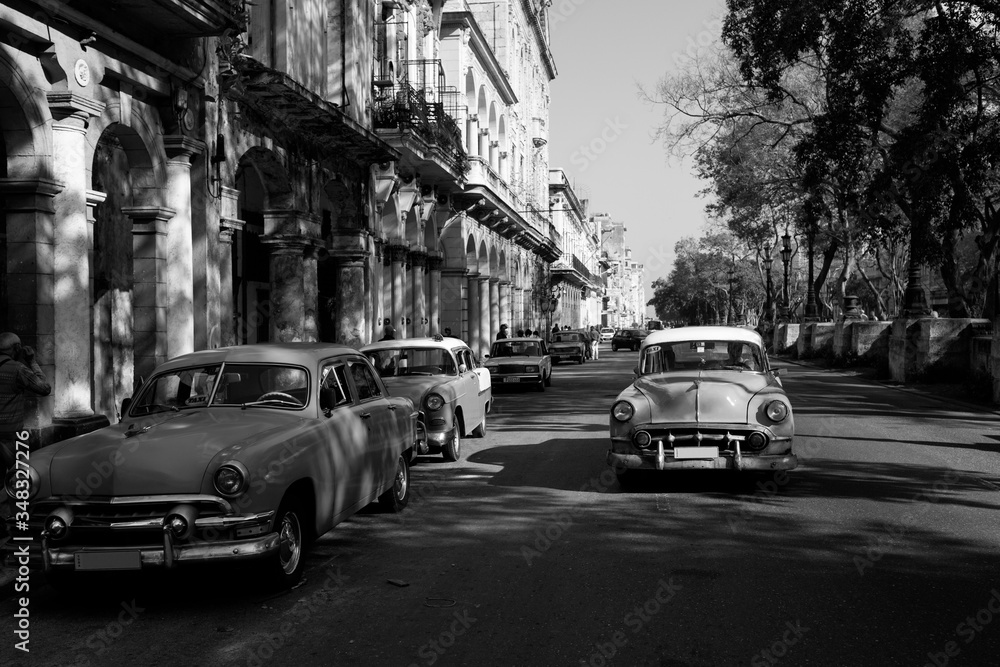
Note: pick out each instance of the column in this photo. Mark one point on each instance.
(71, 385)
(484, 340)
(472, 134)
(506, 316)
(381, 260)
(28, 205)
(397, 258)
(227, 236)
(349, 310)
(420, 320)
(434, 263)
(473, 317)
(288, 301)
(180, 245)
(494, 309)
(149, 312)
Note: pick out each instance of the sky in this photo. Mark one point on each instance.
(601, 132)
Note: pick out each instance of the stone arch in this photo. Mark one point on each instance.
(503, 275)
(392, 226)
(271, 173)
(470, 89)
(494, 259)
(493, 152)
(343, 207)
(483, 259)
(502, 162)
(411, 228)
(140, 138)
(430, 234)
(482, 107)
(451, 242)
(471, 255)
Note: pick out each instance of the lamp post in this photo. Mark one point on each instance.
(732, 280)
(812, 309)
(786, 260)
(768, 305)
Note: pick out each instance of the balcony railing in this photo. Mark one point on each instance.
(405, 108)
(167, 18)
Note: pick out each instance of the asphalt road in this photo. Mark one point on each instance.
(881, 549)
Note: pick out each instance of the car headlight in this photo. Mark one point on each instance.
(434, 402)
(776, 411)
(622, 411)
(58, 522)
(231, 479)
(21, 484)
(180, 521)
(642, 439)
(531, 369)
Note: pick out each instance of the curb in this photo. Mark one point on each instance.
(970, 407)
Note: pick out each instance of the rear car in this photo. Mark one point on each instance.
(607, 333)
(569, 345)
(628, 339)
(520, 362)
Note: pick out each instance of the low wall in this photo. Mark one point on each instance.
(815, 339)
(933, 348)
(785, 336)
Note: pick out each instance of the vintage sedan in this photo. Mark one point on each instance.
(451, 392)
(569, 345)
(628, 339)
(520, 361)
(607, 333)
(704, 397)
(237, 453)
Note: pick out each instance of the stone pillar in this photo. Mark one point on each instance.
(506, 316)
(227, 236)
(472, 315)
(29, 207)
(494, 309)
(179, 281)
(149, 312)
(397, 257)
(381, 261)
(472, 134)
(484, 340)
(71, 385)
(350, 301)
(292, 237)
(418, 260)
(434, 263)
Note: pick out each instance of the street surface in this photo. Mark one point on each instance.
(881, 549)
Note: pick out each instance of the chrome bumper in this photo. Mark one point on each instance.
(441, 438)
(658, 460)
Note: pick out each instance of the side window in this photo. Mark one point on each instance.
(334, 376)
(469, 359)
(364, 381)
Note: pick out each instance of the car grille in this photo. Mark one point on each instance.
(510, 368)
(694, 436)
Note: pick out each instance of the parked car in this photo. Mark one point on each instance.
(704, 397)
(237, 453)
(629, 339)
(607, 333)
(519, 361)
(440, 375)
(568, 345)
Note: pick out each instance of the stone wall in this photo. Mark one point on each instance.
(815, 339)
(933, 348)
(862, 340)
(785, 337)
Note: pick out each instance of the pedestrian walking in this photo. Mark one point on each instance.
(389, 333)
(503, 332)
(595, 340)
(20, 376)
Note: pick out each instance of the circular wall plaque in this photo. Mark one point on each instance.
(82, 72)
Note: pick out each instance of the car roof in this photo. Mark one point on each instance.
(703, 333)
(533, 339)
(425, 342)
(303, 354)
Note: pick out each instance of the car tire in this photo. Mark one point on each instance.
(548, 380)
(480, 431)
(284, 568)
(395, 498)
(540, 386)
(453, 450)
(579, 360)
(614, 349)
(635, 347)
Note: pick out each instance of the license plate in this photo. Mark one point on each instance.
(512, 379)
(696, 452)
(108, 560)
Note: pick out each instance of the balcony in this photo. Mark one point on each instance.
(163, 18)
(427, 136)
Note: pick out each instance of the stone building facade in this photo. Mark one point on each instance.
(625, 294)
(199, 173)
(577, 273)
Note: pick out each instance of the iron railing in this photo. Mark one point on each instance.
(403, 107)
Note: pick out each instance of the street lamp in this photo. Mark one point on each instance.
(812, 308)
(732, 280)
(768, 306)
(786, 259)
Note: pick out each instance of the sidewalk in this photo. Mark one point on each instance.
(961, 395)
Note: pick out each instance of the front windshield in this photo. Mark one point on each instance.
(233, 384)
(398, 362)
(696, 355)
(567, 338)
(516, 348)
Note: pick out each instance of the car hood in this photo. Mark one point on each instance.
(413, 387)
(705, 396)
(168, 454)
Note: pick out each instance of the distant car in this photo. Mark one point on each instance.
(607, 333)
(440, 375)
(519, 361)
(704, 397)
(231, 454)
(629, 339)
(568, 345)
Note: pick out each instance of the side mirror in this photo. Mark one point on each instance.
(462, 368)
(486, 356)
(776, 372)
(126, 403)
(635, 371)
(327, 399)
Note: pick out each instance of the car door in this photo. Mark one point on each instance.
(472, 405)
(377, 414)
(347, 436)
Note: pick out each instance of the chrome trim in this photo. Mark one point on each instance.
(231, 550)
(223, 504)
(206, 522)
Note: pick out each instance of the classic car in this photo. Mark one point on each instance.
(440, 375)
(629, 339)
(704, 397)
(237, 453)
(568, 345)
(520, 361)
(607, 333)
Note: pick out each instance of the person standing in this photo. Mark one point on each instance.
(20, 376)
(389, 333)
(503, 332)
(595, 340)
